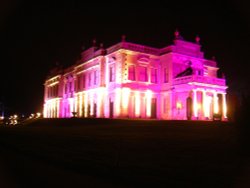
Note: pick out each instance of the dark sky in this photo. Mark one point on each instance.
(35, 35)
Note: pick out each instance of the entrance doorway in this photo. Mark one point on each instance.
(88, 111)
(95, 110)
(153, 107)
(189, 108)
(111, 108)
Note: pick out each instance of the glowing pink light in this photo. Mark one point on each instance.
(216, 106)
(133, 98)
(117, 101)
(125, 97)
(148, 98)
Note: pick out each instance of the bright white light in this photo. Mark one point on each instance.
(91, 104)
(207, 104)
(137, 103)
(195, 107)
(71, 104)
(178, 105)
(148, 98)
(86, 104)
(80, 104)
(125, 97)
(118, 101)
(76, 104)
(100, 96)
(216, 107)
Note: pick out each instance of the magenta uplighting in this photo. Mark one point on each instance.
(129, 80)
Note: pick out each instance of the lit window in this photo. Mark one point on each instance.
(75, 83)
(178, 105)
(65, 88)
(111, 74)
(83, 81)
(89, 79)
(79, 83)
(48, 92)
(205, 71)
(95, 77)
(70, 86)
(165, 75)
(154, 75)
(56, 90)
(143, 75)
(131, 72)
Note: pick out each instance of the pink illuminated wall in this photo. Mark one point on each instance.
(129, 80)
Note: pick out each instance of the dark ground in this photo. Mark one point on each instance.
(123, 153)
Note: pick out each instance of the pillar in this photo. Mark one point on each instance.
(216, 107)
(137, 104)
(195, 103)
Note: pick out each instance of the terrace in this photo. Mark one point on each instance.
(199, 79)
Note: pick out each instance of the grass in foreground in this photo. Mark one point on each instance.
(123, 153)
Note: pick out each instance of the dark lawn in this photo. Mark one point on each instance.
(123, 153)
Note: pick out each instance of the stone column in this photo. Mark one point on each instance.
(216, 108)
(57, 108)
(100, 102)
(102, 74)
(121, 70)
(204, 110)
(80, 104)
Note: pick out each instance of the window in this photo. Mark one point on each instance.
(75, 83)
(70, 87)
(143, 75)
(65, 88)
(200, 72)
(165, 75)
(89, 79)
(83, 81)
(79, 83)
(51, 91)
(154, 75)
(48, 92)
(131, 72)
(111, 74)
(205, 71)
(56, 91)
(95, 77)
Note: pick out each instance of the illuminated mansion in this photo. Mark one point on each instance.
(129, 80)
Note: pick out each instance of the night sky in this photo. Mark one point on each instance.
(35, 35)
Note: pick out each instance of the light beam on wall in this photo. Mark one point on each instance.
(137, 103)
(148, 98)
(118, 101)
(125, 97)
(216, 107)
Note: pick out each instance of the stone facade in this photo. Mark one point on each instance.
(128, 80)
